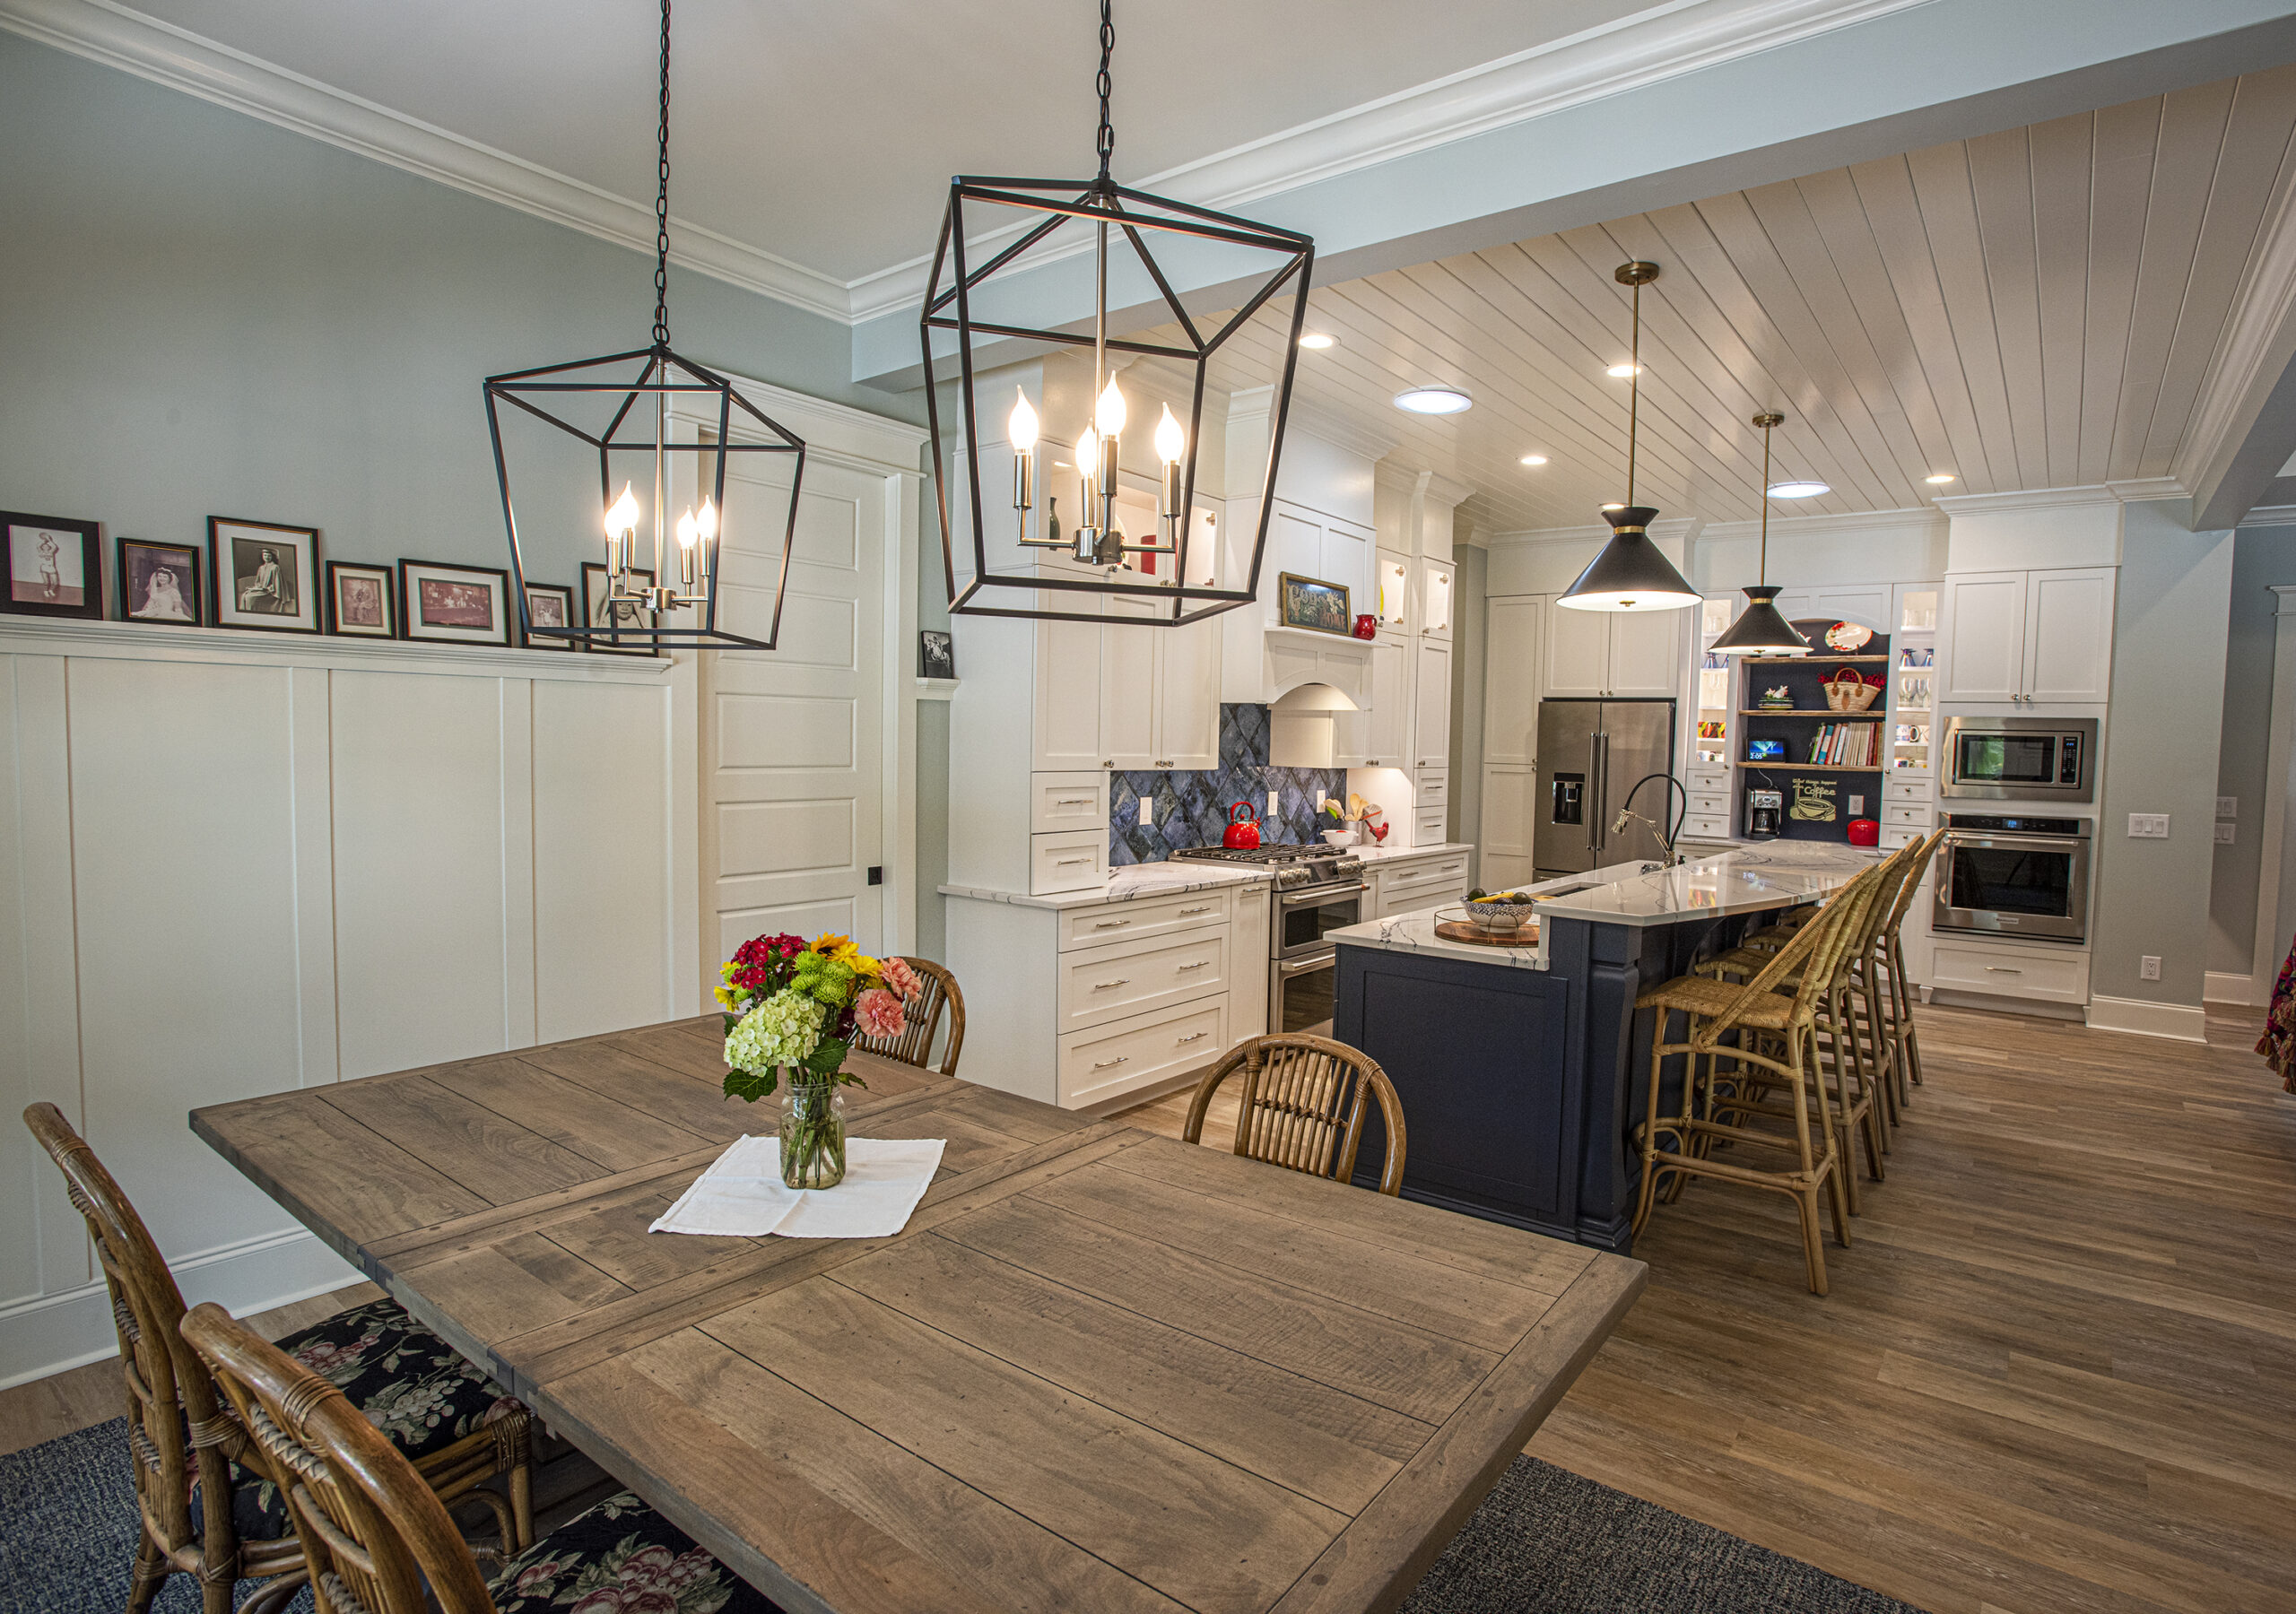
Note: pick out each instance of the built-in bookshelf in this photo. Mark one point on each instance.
(1830, 764)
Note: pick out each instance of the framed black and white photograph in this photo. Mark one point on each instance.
(361, 601)
(454, 604)
(54, 567)
(936, 655)
(600, 611)
(158, 582)
(549, 606)
(267, 576)
(1311, 602)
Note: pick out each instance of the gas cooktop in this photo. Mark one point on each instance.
(1294, 865)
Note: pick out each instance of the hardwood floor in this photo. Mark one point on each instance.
(2057, 1370)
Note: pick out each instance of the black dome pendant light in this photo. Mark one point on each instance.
(1630, 574)
(1761, 628)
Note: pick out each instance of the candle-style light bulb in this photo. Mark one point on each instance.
(622, 521)
(688, 533)
(1020, 428)
(705, 520)
(1171, 442)
(1088, 453)
(1110, 412)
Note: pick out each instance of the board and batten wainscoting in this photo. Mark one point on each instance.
(241, 863)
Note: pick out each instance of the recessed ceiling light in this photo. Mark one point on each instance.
(1622, 372)
(1317, 341)
(1434, 400)
(1797, 489)
(1942, 477)
(1535, 459)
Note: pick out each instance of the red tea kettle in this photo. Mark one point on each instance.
(1243, 828)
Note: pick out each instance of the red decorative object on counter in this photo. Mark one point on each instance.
(1864, 832)
(1367, 627)
(1242, 833)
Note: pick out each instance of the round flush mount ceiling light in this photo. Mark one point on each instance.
(1620, 372)
(1797, 489)
(1535, 459)
(1434, 401)
(1939, 480)
(1316, 342)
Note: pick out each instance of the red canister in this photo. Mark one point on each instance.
(1864, 832)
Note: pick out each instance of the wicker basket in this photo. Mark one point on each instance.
(1846, 691)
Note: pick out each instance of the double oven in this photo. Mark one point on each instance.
(2018, 869)
(1315, 893)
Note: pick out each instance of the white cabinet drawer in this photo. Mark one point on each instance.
(1709, 826)
(1428, 825)
(1906, 815)
(1907, 790)
(1709, 803)
(1892, 840)
(2057, 977)
(1069, 861)
(1129, 921)
(1102, 984)
(1107, 1063)
(1067, 800)
(1434, 787)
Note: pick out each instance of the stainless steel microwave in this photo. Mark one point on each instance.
(2021, 758)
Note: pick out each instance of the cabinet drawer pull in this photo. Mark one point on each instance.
(1073, 801)
(1110, 923)
(1199, 964)
(1103, 1064)
(2001, 969)
(1066, 862)
(1165, 762)
(1104, 985)
(1194, 1036)
(1207, 908)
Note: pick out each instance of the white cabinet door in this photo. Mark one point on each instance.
(1981, 637)
(2069, 634)
(1068, 731)
(1432, 705)
(1376, 736)
(1393, 584)
(1347, 554)
(1295, 545)
(1646, 652)
(1510, 699)
(1509, 796)
(1867, 606)
(1435, 598)
(1128, 687)
(1578, 651)
(1187, 696)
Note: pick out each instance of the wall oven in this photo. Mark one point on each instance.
(1999, 876)
(2021, 758)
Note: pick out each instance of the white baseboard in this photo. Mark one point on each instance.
(52, 1333)
(2218, 987)
(2181, 1022)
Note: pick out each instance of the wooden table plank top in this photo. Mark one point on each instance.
(1098, 1369)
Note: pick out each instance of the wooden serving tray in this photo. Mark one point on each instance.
(1457, 930)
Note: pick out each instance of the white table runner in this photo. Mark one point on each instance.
(742, 1194)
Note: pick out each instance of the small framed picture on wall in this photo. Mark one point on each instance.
(267, 576)
(1313, 604)
(361, 601)
(600, 611)
(454, 604)
(549, 606)
(158, 582)
(54, 567)
(936, 653)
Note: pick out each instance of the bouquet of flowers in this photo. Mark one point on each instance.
(794, 1004)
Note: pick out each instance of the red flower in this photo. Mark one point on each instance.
(751, 976)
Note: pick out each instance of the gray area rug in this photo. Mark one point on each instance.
(1545, 1543)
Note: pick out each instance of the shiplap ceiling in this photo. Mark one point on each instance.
(2035, 308)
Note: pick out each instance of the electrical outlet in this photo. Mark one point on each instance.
(2148, 825)
(2228, 807)
(1857, 806)
(2148, 967)
(1147, 810)
(2224, 835)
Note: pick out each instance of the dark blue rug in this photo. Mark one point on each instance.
(1546, 1541)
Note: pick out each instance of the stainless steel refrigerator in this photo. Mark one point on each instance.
(1591, 753)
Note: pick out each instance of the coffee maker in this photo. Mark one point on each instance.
(1765, 813)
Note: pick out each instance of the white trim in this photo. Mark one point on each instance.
(1668, 529)
(2250, 357)
(2216, 986)
(2034, 498)
(2265, 516)
(937, 688)
(1858, 521)
(2178, 1023)
(2138, 489)
(105, 31)
(149, 641)
(52, 1333)
(2280, 757)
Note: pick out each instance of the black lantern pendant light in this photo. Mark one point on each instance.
(1630, 574)
(965, 299)
(624, 417)
(1761, 628)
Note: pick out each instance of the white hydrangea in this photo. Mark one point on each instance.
(782, 1031)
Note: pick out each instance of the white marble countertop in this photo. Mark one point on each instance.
(1129, 883)
(1415, 933)
(1384, 854)
(1774, 874)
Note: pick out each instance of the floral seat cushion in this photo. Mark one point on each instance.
(410, 1383)
(623, 1557)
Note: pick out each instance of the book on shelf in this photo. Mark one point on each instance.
(1847, 745)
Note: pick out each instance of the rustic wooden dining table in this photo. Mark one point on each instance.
(1099, 1369)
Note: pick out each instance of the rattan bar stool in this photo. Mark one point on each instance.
(1777, 1033)
(1889, 958)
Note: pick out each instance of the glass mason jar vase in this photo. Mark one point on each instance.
(812, 1132)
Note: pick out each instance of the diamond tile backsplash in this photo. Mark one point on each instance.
(1191, 808)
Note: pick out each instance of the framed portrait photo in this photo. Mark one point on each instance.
(267, 576)
(549, 606)
(454, 604)
(1311, 604)
(936, 653)
(361, 601)
(55, 567)
(599, 612)
(160, 582)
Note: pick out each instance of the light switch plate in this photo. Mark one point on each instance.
(2224, 829)
(2228, 806)
(1147, 810)
(2148, 825)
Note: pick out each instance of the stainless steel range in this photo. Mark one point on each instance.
(1316, 891)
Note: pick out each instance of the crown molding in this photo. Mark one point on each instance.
(2271, 516)
(2138, 489)
(2250, 357)
(152, 641)
(2026, 499)
(1820, 526)
(1684, 529)
(105, 31)
(1449, 490)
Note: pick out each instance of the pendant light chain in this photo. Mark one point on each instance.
(1107, 137)
(662, 200)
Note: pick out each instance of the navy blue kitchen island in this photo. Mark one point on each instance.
(1523, 1071)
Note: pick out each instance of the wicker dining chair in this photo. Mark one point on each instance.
(380, 1542)
(914, 1046)
(1302, 1107)
(209, 1507)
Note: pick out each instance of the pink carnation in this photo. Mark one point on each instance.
(901, 980)
(880, 1013)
